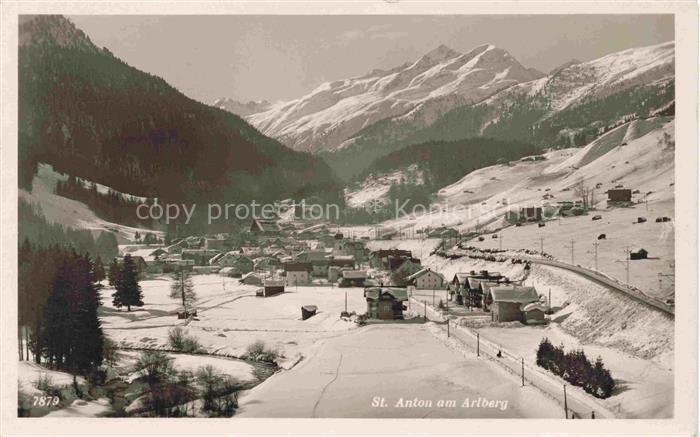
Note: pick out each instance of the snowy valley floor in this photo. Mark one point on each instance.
(399, 363)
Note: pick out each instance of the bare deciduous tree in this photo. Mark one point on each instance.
(585, 193)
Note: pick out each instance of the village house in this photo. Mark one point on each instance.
(509, 301)
(385, 303)
(353, 248)
(266, 263)
(264, 227)
(619, 195)
(533, 313)
(335, 273)
(426, 279)
(353, 278)
(205, 270)
(200, 257)
(251, 278)
(176, 248)
(378, 259)
(194, 242)
(298, 273)
(343, 261)
(527, 214)
(404, 266)
(238, 263)
(217, 244)
(271, 287)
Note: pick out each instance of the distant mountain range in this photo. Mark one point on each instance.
(89, 114)
(441, 79)
(242, 109)
(446, 95)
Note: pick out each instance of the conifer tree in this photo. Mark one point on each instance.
(128, 291)
(183, 289)
(98, 269)
(113, 273)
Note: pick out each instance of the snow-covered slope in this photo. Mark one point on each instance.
(71, 213)
(638, 155)
(376, 187)
(438, 81)
(599, 77)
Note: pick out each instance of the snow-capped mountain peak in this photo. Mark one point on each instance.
(437, 81)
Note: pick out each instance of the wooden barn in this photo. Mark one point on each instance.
(619, 195)
(640, 254)
(385, 303)
(271, 287)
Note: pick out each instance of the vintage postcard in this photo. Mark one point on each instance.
(401, 218)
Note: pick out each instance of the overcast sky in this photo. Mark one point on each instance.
(284, 57)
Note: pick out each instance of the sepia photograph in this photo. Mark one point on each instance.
(350, 216)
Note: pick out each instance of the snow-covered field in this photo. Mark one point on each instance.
(396, 361)
(231, 317)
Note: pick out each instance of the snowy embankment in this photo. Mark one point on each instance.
(71, 213)
(635, 341)
(51, 393)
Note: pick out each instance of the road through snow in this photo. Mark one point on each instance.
(396, 362)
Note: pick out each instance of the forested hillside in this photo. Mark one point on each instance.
(445, 162)
(520, 117)
(91, 115)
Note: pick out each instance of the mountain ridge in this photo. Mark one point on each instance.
(439, 80)
(569, 107)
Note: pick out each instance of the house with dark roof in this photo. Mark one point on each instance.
(378, 259)
(385, 303)
(271, 287)
(353, 278)
(298, 273)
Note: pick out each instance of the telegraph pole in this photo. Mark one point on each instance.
(595, 245)
(627, 255)
(522, 371)
(572, 251)
(541, 245)
(566, 408)
(477, 344)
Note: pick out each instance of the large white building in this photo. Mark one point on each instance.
(426, 279)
